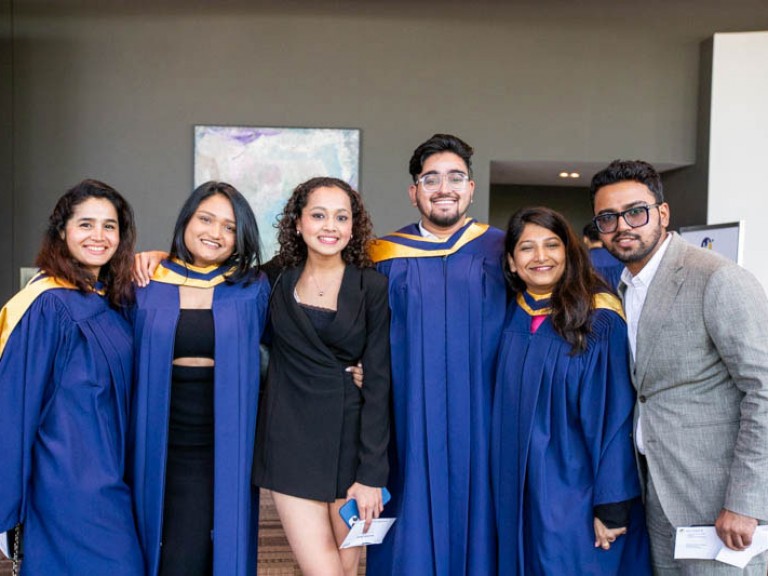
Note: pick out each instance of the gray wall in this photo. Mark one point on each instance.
(6, 151)
(571, 202)
(112, 89)
(687, 189)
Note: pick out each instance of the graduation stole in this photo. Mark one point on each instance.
(400, 245)
(17, 306)
(540, 305)
(179, 273)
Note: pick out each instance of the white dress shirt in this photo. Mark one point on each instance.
(426, 233)
(634, 299)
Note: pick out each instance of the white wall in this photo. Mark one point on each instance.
(738, 163)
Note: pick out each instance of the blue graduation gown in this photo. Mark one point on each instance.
(607, 266)
(65, 376)
(561, 444)
(239, 313)
(447, 299)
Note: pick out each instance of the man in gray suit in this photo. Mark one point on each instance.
(698, 331)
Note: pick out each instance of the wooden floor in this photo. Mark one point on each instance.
(275, 558)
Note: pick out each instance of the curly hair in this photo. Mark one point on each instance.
(293, 249)
(245, 259)
(572, 298)
(54, 257)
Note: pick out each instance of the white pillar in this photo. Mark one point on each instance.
(738, 144)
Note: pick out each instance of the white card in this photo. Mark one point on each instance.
(375, 535)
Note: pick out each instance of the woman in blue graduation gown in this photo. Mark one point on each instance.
(65, 375)
(198, 325)
(321, 440)
(566, 488)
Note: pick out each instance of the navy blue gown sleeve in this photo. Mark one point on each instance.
(607, 400)
(27, 367)
(65, 373)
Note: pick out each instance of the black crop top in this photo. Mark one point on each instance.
(195, 335)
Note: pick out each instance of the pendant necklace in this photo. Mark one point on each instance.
(320, 291)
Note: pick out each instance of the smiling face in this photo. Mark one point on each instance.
(538, 259)
(211, 232)
(326, 222)
(443, 210)
(632, 246)
(92, 233)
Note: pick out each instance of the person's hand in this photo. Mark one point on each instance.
(735, 530)
(357, 374)
(369, 503)
(605, 536)
(145, 264)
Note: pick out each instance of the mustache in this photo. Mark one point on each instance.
(622, 235)
(437, 197)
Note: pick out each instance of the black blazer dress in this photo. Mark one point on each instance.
(317, 432)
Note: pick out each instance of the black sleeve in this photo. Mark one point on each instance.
(373, 469)
(614, 514)
(272, 269)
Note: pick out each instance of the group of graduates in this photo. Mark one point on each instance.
(135, 431)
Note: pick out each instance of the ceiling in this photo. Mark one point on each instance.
(546, 172)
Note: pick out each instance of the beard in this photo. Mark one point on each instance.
(644, 248)
(440, 219)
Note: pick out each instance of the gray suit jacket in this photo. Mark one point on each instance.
(701, 375)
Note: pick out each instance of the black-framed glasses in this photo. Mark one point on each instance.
(456, 181)
(635, 217)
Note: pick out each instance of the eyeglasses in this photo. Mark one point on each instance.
(635, 217)
(456, 181)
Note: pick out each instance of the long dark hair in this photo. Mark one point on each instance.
(54, 257)
(293, 249)
(245, 257)
(572, 297)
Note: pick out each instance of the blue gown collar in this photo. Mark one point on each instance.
(175, 271)
(534, 304)
(408, 243)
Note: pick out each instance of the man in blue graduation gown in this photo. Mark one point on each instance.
(447, 295)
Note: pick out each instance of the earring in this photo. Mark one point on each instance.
(298, 232)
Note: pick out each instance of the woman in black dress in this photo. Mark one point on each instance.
(322, 440)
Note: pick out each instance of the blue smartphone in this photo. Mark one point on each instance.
(349, 512)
